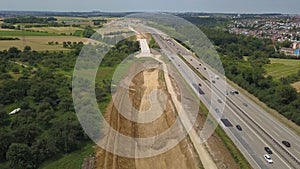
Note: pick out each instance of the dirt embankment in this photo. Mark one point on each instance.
(181, 156)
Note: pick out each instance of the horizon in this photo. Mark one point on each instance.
(205, 6)
(203, 12)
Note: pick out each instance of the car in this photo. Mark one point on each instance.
(200, 84)
(245, 104)
(268, 158)
(199, 64)
(197, 68)
(191, 59)
(268, 150)
(286, 143)
(204, 68)
(236, 92)
(239, 127)
(213, 81)
(220, 101)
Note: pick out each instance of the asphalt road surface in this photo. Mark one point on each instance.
(259, 129)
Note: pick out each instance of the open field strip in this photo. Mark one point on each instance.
(282, 67)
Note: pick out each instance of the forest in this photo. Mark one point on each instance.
(39, 83)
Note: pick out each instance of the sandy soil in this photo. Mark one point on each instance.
(296, 86)
(181, 156)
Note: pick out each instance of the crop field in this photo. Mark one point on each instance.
(75, 19)
(282, 67)
(24, 33)
(57, 30)
(40, 43)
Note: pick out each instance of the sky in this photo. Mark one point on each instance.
(226, 6)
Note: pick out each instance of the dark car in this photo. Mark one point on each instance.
(200, 64)
(286, 143)
(213, 81)
(239, 127)
(268, 150)
(236, 92)
(200, 84)
(220, 101)
(204, 68)
(197, 68)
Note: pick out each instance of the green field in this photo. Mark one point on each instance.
(25, 33)
(78, 33)
(282, 67)
(70, 161)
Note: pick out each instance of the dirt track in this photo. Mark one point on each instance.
(181, 156)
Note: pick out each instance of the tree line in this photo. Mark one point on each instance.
(250, 74)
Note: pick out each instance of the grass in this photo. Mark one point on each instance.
(73, 160)
(57, 30)
(282, 67)
(25, 33)
(78, 33)
(234, 151)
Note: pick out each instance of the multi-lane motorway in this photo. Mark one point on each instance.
(259, 129)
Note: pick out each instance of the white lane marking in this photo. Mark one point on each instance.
(246, 125)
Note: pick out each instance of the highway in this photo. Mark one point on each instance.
(259, 129)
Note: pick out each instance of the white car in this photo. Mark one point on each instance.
(268, 158)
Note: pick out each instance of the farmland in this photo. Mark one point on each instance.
(40, 43)
(56, 30)
(24, 33)
(282, 67)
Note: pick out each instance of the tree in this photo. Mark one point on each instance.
(20, 156)
(4, 118)
(5, 141)
(285, 94)
(27, 48)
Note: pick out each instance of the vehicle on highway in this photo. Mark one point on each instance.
(204, 68)
(197, 68)
(268, 150)
(200, 84)
(286, 143)
(245, 104)
(199, 64)
(239, 127)
(191, 59)
(268, 158)
(213, 81)
(236, 92)
(220, 101)
(217, 110)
